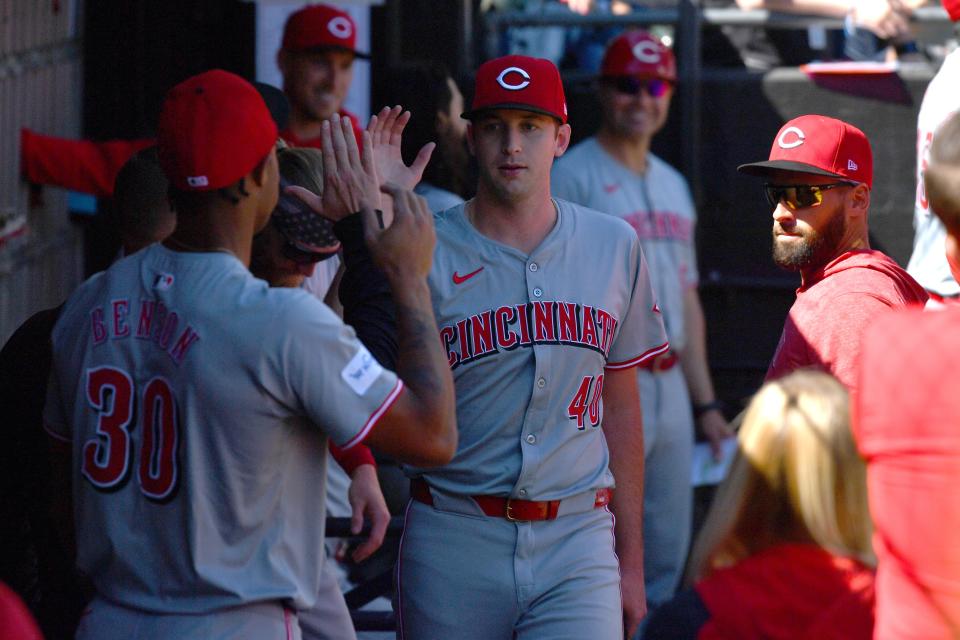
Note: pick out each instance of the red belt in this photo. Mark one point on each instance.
(662, 362)
(510, 508)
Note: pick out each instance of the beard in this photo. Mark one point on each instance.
(814, 248)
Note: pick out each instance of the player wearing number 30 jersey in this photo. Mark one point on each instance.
(198, 400)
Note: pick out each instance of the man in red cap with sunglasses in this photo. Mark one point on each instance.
(818, 181)
(616, 173)
(545, 309)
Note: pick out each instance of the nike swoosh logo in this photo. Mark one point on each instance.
(610, 188)
(458, 279)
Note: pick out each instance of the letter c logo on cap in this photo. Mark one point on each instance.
(646, 51)
(340, 27)
(782, 140)
(501, 79)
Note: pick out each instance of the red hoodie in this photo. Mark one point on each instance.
(833, 308)
(789, 592)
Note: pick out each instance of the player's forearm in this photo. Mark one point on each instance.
(623, 429)
(626, 463)
(421, 363)
(365, 294)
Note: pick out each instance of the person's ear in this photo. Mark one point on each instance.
(563, 140)
(261, 173)
(859, 199)
(952, 248)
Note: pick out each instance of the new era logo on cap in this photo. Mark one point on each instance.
(198, 181)
(821, 146)
(519, 82)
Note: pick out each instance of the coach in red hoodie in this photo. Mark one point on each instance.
(818, 181)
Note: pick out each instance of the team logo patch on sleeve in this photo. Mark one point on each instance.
(361, 372)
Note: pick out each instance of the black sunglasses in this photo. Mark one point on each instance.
(799, 196)
(655, 87)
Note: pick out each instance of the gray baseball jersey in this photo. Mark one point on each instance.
(659, 208)
(528, 339)
(189, 390)
(928, 262)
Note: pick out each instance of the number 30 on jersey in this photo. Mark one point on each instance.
(107, 456)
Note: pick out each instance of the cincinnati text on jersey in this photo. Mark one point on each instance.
(661, 225)
(153, 321)
(525, 325)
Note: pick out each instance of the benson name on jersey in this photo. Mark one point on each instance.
(153, 322)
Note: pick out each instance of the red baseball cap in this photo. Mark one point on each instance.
(953, 9)
(320, 26)
(214, 128)
(519, 82)
(637, 53)
(819, 145)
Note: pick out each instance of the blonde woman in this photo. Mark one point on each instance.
(785, 551)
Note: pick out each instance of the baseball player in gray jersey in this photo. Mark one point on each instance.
(187, 390)
(615, 172)
(545, 309)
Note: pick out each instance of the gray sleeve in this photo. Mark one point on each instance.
(640, 335)
(334, 378)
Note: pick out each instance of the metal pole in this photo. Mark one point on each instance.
(688, 37)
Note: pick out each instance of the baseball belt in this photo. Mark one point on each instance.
(512, 508)
(661, 363)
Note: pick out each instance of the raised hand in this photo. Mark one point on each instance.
(350, 182)
(386, 131)
(405, 248)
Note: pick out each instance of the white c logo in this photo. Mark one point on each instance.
(646, 51)
(782, 140)
(513, 87)
(340, 27)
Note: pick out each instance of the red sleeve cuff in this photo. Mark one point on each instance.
(353, 457)
(640, 359)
